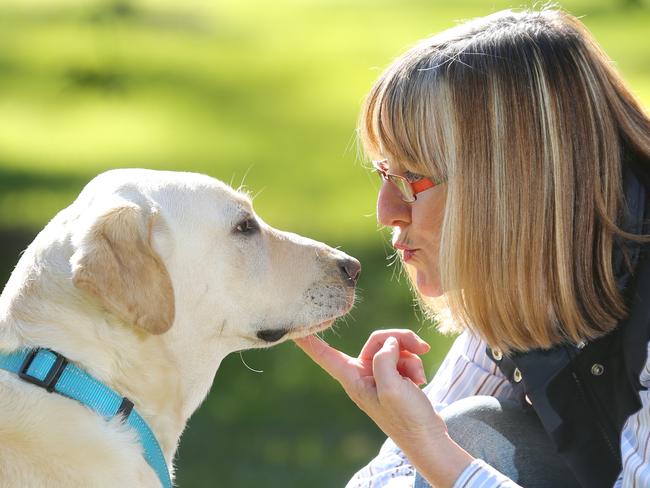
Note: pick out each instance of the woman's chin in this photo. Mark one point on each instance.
(428, 287)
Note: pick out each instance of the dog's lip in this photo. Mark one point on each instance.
(274, 335)
(313, 329)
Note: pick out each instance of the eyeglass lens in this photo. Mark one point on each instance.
(404, 187)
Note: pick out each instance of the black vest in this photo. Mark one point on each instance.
(583, 394)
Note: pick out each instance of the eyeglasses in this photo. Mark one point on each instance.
(408, 189)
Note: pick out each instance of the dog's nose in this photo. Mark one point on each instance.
(351, 269)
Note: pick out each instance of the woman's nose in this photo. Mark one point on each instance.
(392, 211)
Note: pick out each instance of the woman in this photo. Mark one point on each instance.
(515, 166)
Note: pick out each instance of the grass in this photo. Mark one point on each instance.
(265, 93)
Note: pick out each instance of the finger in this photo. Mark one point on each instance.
(407, 339)
(335, 362)
(412, 368)
(384, 364)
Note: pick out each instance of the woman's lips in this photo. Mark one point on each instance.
(407, 252)
(408, 255)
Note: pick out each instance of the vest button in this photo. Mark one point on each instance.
(516, 376)
(597, 369)
(497, 354)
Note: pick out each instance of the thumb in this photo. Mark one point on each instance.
(384, 364)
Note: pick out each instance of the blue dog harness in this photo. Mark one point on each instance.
(52, 371)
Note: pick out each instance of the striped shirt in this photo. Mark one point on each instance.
(468, 371)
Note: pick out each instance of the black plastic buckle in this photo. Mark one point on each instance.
(49, 383)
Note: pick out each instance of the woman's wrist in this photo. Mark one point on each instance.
(439, 460)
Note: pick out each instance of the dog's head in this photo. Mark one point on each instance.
(184, 254)
(150, 278)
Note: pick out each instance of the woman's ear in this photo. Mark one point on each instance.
(116, 263)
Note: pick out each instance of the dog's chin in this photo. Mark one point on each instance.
(307, 331)
(273, 336)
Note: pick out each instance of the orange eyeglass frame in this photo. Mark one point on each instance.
(418, 186)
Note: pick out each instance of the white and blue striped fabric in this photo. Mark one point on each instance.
(467, 371)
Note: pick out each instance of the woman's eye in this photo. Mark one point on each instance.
(247, 227)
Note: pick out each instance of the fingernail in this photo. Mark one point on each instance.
(391, 341)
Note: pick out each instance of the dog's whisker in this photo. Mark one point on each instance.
(243, 179)
(358, 297)
(245, 191)
(322, 333)
(241, 356)
(349, 316)
(259, 192)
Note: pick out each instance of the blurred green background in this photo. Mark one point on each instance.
(261, 92)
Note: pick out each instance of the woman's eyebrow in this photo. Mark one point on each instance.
(414, 174)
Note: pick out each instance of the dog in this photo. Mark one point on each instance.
(144, 284)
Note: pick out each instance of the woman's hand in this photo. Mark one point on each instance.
(383, 381)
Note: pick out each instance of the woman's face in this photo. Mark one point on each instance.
(416, 231)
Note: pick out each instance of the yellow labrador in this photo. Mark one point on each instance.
(144, 284)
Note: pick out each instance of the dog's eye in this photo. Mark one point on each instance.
(247, 227)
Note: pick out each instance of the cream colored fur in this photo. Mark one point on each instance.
(146, 282)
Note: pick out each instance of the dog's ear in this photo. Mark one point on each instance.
(116, 263)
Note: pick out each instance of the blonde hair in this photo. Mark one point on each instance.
(526, 118)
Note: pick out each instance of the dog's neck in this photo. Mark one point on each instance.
(165, 378)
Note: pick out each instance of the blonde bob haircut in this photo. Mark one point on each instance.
(525, 117)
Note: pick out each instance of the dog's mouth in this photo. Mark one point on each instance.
(291, 331)
(274, 335)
